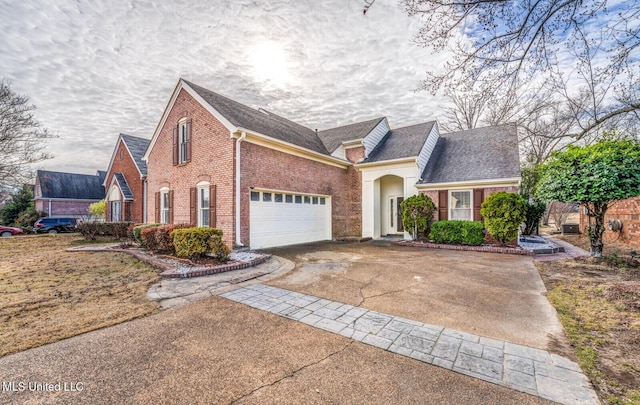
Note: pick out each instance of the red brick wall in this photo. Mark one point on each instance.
(212, 160)
(489, 190)
(628, 212)
(354, 187)
(270, 169)
(127, 166)
(64, 208)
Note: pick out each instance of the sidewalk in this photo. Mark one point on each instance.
(534, 371)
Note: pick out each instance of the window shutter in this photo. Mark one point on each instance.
(176, 146)
(188, 141)
(443, 205)
(171, 206)
(212, 206)
(193, 206)
(157, 221)
(478, 198)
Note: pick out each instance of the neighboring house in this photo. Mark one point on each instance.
(267, 181)
(60, 194)
(125, 180)
(627, 212)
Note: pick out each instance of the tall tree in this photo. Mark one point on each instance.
(595, 176)
(510, 42)
(21, 138)
(21, 201)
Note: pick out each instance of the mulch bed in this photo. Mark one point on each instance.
(484, 248)
(174, 267)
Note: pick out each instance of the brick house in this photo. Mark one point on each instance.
(125, 181)
(267, 181)
(627, 212)
(60, 194)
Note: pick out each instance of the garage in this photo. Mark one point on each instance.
(281, 218)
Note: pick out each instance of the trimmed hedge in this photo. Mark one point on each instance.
(158, 239)
(116, 230)
(198, 242)
(458, 232)
(137, 229)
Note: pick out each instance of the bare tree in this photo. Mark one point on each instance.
(511, 42)
(21, 137)
(559, 212)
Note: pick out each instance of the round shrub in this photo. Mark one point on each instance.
(503, 213)
(198, 242)
(417, 215)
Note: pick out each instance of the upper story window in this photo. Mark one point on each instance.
(460, 206)
(182, 142)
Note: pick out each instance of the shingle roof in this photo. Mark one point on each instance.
(71, 185)
(401, 143)
(124, 186)
(332, 138)
(475, 154)
(137, 146)
(265, 123)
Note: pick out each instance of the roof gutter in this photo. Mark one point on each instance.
(287, 147)
(413, 159)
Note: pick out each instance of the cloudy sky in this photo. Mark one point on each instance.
(97, 68)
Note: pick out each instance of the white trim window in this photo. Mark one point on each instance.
(116, 211)
(461, 205)
(164, 206)
(182, 141)
(203, 206)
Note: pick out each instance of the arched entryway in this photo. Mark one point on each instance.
(391, 195)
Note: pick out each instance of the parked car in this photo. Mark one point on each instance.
(10, 231)
(55, 225)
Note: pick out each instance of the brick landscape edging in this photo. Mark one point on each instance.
(169, 270)
(235, 265)
(490, 249)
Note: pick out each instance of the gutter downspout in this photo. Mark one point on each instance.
(238, 141)
(144, 200)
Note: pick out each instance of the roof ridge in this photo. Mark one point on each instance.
(377, 120)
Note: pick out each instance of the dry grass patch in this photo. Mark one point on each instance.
(598, 303)
(49, 294)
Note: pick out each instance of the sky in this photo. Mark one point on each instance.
(95, 69)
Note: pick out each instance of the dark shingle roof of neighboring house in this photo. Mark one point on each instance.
(475, 154)
(124, 186)
(265, 123)
(71, 185)
(137, 147)
(401, 143)
(333, 138)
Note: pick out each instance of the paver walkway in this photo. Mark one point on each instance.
(522, 368)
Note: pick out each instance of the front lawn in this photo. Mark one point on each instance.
(49, 294)
(598, 302)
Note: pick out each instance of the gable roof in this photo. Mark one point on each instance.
(261, 121)
(71, 186)
(401, 143)
(137, 147)
(474, 154)
(119, 178)
(333, 138)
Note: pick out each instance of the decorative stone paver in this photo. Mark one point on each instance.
(534, 371)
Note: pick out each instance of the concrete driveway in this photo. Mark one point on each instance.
(219, 351)
(216, 351)
(494, 295)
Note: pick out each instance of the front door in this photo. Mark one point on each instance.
(399, 227)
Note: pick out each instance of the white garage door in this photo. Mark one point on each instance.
(279, 219)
